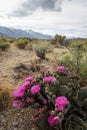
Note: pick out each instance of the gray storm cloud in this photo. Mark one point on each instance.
(20, 13)
(29, 6)
(44, 4)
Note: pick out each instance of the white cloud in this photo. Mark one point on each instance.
(7, 6)
(72, 20)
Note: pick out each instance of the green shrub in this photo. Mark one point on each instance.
(79, 46)
(4, 46)
(83, 70)
(58, 40)
(3, 43)
(21, 43)
(74, 44)
(68, 61)
(41, 49)
(71, 62)
(3, 39)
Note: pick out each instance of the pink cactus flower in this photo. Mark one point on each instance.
(61, 102)
(53, 120)
(60, 68)
(19, 92)
(35, 89)
(30, 79)
(25, 85)
(48, 79)
(60, 107)
(33, 80)
(18, 104)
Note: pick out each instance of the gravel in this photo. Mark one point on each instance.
(14, 119)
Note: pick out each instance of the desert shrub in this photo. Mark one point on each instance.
(77, 59)
(40, 50)
(76, 45)
(5, 97)
(21, 43)
(11, 40)
(58, 40)
(4, 46)
(85, 43)
(78, 50)
(3, 43)
(3, 39)
(68, 60)
(83, 70)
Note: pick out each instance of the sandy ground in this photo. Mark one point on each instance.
(11, 59)
(14, 56)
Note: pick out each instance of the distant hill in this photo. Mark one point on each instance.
(18, 33)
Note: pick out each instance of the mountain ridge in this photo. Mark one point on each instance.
(19, 33)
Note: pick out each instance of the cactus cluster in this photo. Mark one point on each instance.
(81, 98)
(54, 95)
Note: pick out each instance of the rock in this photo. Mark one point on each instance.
(15, 129)
(1, 128)
(15, 124)
(3, 121)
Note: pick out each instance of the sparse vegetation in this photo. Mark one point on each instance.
(68, 60)
(3, 43)
(5, 97)
(83, 70)
(77, 58)
(58, 40)
(69, 81)
(4, 46)
(41, 49)
(21, 43)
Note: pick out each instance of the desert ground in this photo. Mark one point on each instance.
(13, 57)
(14, 67)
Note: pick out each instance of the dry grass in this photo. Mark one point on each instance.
(5, 96)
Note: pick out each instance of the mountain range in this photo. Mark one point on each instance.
(19, 33)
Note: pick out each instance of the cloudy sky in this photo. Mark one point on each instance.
(66, 17)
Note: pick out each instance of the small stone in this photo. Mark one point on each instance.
(1, 128)
(15, 129)
(21, 119)
(33, 129)
(3, 121)
(15, 124)
(1, 116)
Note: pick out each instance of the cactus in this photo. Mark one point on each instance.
(63, 97)
(81, 98)
(65, 90)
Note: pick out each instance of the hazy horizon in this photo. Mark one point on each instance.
(66, 17)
